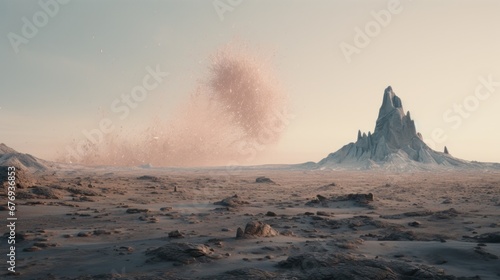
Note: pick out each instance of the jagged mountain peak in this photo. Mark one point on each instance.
(390, 102)
(394, 141)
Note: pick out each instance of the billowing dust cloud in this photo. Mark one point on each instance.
(237, 110)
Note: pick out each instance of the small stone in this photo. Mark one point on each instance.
(32, 249)
(127, 248)
(135, 211)
(101, 231)
(270, 214)
(263, 180)
(84, 234)
(414, 224)
(44, 244)
(175, 234)
(447, 201)
(320, 197)
(240, 233)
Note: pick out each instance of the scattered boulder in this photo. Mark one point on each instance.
(136, 210)
(445, 214)
(232, 201)
(264, 180)
(84, 234)
(82, 198)
(321, 198)
(408, 214)
(32, 249)
(322, 213)
(46, 193)
(287, 232)
(400, 236)
(414, 224)
(185, 253)
(101, 232)
(240, 233)
(447, 201)
(491, 237)
(82, 191)
(257, 229)
(149, 178)
(418, 213)
(270, 214)
(349, 244)
(45, 244)
(175, 234)
(360, 199)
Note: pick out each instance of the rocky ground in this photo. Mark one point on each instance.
(257, 224)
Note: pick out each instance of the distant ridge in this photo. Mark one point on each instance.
(10, 157)
(394, 144)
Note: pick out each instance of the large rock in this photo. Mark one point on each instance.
(345, 266)
(232, 201)
(265, 180)
(186, 253)
(257, 229)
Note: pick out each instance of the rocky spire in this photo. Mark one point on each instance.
(446, 150)
(394, 139)
(392, 123)
(389, 103)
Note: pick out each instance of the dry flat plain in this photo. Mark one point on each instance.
(300, 224)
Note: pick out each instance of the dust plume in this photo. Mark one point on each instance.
(235, 111)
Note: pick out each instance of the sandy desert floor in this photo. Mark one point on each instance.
(167, 224)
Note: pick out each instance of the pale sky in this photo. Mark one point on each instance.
(434, 54)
